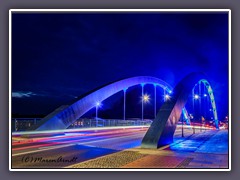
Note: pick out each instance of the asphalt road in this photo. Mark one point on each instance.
(64, 149)
(57, 150)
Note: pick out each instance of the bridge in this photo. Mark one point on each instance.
(163, 126)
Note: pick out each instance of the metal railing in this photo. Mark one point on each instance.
(23, 124)
(108, 123)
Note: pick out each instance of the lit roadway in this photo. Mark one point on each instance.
(61, 149)
(66, 148)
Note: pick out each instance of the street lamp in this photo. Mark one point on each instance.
(155, 100)
(98, 104)
(124, 103)
(196, 96)
(142, 84)
(167, 97)
(145, 99)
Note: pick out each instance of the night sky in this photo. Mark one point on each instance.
(58, 57)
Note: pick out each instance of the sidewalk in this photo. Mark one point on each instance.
(207, 149)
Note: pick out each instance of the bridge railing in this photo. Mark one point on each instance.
(108, 123)
(23, 124)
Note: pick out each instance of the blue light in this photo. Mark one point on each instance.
(98, 104)
(167, 97)
(142, 84)
(196, 96)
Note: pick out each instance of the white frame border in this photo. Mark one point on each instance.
(119, 10)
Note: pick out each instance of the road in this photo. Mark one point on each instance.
(61, 149)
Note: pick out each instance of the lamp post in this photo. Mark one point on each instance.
(196, 96)
(200, 95)
(205, 106)
(155, 100)
(142, 98)
(193, 100)
(98, 104)
(145, 99)
(124, 103)
(167, 97)
(205, 101)
(164, 94)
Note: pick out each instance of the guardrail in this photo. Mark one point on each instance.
(23, 124)
(108, 123)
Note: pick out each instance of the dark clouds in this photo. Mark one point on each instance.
(66, 55)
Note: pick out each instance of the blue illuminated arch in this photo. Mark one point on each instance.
(64, 116)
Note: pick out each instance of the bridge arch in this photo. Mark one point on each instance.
(163, 127)
(65, 115)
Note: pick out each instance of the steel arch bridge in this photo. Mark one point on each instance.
(163, 127)
(66, 115)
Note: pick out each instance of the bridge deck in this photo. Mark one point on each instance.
(207, 149)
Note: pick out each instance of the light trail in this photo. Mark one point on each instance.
(76, 139)
(44, 139)
(81, 138)
(78, 130)
(108, 139)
